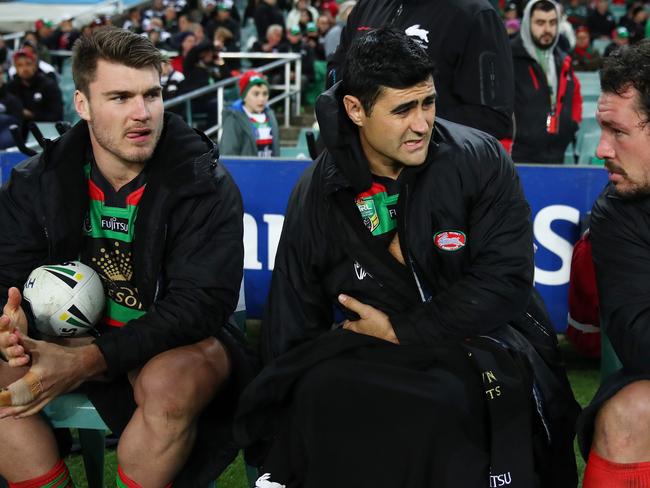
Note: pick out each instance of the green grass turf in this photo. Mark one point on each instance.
(583, 373)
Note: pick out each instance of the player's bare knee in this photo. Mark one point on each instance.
(627, 413)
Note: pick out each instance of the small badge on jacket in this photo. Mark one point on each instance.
(449, 240)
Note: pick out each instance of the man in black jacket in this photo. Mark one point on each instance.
(39, 93)
(466, 40)
(410, 238)
(548, 104)
(615, 428)
(162, 356)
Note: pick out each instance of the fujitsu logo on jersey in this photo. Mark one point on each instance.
(115, 224)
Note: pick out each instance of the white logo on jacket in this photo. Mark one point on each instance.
(264, 482)
(421, 34)
(360, 272)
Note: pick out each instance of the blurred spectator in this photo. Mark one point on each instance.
(293, 17)
(38, 93)
(577, 12)
(333, 36)
(184, 23)
(171, 81)
(510, 12)
(44, 31)
(567, 39)
(222, 17)
(601, 22)
(295, 43)
(634, 21)
(270, 42)
(157, 9)
(11, 112)
(199, 33)
(31, 40)
(170, 21)
(305, 19)
(201, 68)
(267, 14)
(186, 41)
(4, 55)
(42, 66)
(157, 35)
(512, 27)
(584, 57)
(620, 39)
(65, 34)
(249, 125)
(548, 104)
(133, 22)
(224, 41)
(324, 23)
(312, 37)
(330, 7)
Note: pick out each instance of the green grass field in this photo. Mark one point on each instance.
(583, 373)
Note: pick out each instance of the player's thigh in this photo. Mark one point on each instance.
(185, 378)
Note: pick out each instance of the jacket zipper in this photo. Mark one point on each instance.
(47, 239)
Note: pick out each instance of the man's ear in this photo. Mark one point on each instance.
(82, 105)
(354, 109)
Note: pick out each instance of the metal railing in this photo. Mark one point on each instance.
(289, 90)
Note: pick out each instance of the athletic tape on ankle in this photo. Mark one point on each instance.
(22, 391)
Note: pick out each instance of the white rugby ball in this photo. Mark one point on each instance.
(67, 299)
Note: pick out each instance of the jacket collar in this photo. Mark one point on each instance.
(345, 164)
(178, 147)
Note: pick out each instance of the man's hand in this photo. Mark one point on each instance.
(13, 319)
(372, 322)
(59, 370)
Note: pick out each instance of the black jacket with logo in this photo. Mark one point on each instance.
(188, 252)
(532, 141)
(468, 185)
(473, 283)
(41, 95)
(469, 45)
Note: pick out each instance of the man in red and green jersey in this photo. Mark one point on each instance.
(141, 197)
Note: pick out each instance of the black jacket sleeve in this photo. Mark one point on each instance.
(620, 243)
(202, 271)
(484, 79)
(23, 245)
(297, 308)
(497, 285)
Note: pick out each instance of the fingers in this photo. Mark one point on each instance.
(355, 305)
(13, 300)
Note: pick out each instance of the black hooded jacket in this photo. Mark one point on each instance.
(188, 252)
(474, 286)
(467, 185)
(469, 45)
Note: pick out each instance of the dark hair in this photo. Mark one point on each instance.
(629, 68)
(544, 6)
(384, 57)
(115, 45)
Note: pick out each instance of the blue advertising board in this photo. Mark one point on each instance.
(560, 198)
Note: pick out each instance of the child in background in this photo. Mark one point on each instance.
(249, 125)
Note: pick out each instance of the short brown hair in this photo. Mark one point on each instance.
(114, 45)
